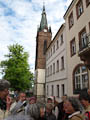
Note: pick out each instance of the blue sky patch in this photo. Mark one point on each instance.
(9, 12)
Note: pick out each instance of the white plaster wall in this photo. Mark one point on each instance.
(59, 82)
(60, 77)
(41, 75)
(62, 74)
(40, 78)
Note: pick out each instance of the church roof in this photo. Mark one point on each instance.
(43, 23)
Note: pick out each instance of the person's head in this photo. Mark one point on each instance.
(49, 108)
(4, 86)
(33, 111)
(50, 100)
(32, 100)
(72, 105)
(64, 97)
(88, 91)
(84, 98)
(22, 96)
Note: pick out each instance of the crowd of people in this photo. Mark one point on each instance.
(23, 108)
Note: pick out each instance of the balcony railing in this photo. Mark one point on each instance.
(84, 43)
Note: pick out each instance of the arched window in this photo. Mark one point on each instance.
(80, 79)
(45, 47)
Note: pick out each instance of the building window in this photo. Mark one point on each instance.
(47, 90)
(54, 49)
(71, 20)
(63, 89)
(73, 47)
(83, 42)
(51, 51)
(79, 8)
(87, 3)
(49, 54)
(89, 27)
(80, 79)
(45, 47)
(48, 71)
(52, 90)
(57, 44)
(62, 62)
(53, 68)
(57, 90)
(57, 65)
(61, 39)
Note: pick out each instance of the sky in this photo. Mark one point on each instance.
(19, 20)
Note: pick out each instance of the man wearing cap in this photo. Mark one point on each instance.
(20, 105)
(48, 113)
(5, 101)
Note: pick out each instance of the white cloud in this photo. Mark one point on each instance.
(19, 20)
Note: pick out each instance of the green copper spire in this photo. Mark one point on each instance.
(43, 23)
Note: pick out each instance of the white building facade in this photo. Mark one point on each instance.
(56, 65)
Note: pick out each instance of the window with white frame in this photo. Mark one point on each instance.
(80, 79)
(79, 8)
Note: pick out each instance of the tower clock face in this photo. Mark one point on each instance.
(45, 30)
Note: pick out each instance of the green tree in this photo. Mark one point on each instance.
(16, 68)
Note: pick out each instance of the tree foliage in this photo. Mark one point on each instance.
(16, 68)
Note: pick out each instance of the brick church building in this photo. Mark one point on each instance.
(43, 40)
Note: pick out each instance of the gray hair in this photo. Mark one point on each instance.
(18, 117)
(33, 111)
(75, 103)
(4, 84)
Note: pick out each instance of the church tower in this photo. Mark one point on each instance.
(43, 40)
